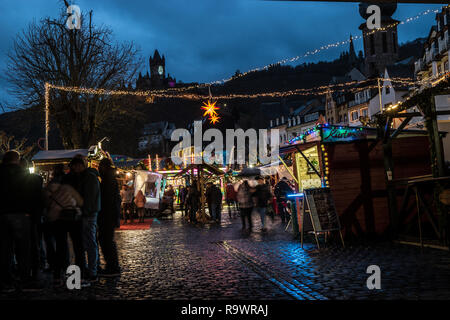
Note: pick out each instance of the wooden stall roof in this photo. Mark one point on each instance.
(206, 166)
(57, 156)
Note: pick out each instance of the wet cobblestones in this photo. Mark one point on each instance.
(177, 260)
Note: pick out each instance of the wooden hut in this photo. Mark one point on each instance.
(349, 160)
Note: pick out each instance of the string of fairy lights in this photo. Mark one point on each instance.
(313, 52)
(210, 107)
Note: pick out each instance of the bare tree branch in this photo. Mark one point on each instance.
(49, 52)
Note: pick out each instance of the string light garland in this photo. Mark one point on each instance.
(150, 95)
(314, 52)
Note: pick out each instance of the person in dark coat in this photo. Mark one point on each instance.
(108, 218)
(15, 225)
(35, 198)
(214, 199)
(193, 202)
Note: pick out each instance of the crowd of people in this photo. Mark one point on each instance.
(76, 213)
(36, 222)
(262, 198)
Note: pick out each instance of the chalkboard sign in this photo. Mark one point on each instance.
(322, 210)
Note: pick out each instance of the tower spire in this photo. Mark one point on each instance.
(351, 53)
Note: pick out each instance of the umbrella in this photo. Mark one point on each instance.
(249, 172)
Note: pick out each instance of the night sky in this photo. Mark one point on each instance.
(206, 40)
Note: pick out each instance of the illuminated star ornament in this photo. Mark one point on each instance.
(214, 119)
(210, 110)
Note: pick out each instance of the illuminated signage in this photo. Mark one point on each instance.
(336, 134)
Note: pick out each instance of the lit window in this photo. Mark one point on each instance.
(354, 115)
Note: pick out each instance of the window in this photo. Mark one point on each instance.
(312, 117)
(446, 66)
(345, 118)
(354, 115)
(384, 38)
(364, 112)
(278, 121)
(388, 90)
(298, 119)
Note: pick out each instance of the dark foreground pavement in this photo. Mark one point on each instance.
(176, 260)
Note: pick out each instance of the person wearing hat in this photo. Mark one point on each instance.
(261, 197)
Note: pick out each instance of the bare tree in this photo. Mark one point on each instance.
(88, 57)
(10, 143)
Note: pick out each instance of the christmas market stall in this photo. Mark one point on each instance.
(201, 174)
(152, 185)
(349, 162)
(45, 160)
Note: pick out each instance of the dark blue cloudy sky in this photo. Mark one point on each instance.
(207, 40)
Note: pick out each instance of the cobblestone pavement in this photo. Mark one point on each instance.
(176, 260)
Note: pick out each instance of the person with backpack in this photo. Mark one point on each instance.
(63, 218)
(261, 196)
(282, 189)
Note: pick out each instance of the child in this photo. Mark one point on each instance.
(139, 201)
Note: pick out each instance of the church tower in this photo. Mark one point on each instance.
(380, 46)
(352, 59)
(157, 70)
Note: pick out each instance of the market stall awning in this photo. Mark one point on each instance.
(51, 155)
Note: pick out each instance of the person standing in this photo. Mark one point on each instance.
(261, 197)
(139, 201)
(34, 195)
(127, 199)
(109, 218)
(215, 200)
(64, 216)
(230, 198)
(245, 204)
(88, 186)
(169, 195)
(15, 225)
(182, 197)
(281, 190)
(193, 201)
(208, 199)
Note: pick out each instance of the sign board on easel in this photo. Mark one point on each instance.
(318, 213)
